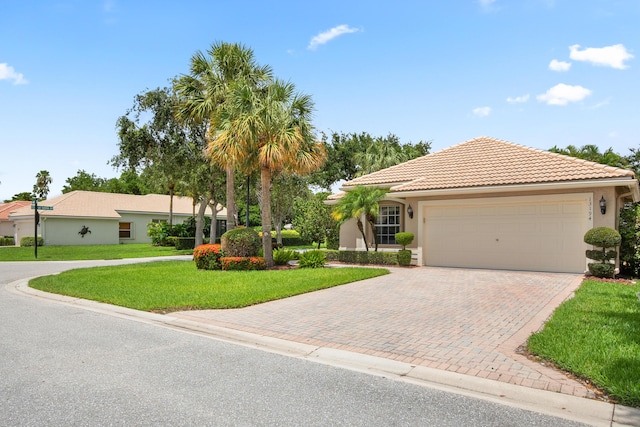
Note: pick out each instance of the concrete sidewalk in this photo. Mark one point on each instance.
(453, 329)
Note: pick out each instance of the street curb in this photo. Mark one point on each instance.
(593, 412)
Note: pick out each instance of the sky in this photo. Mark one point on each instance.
(539, 73)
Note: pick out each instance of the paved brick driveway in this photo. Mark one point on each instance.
(460, 320)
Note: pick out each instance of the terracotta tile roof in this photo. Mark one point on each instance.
(487, 161)
(108, 205)
(7, 208)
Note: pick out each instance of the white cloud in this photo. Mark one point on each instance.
(556, 65)
(518, 99)
(562, 94)
(329, 35)
(482, 111)
(486, 4)
(608, 56)
(8, 73)
(602, 103)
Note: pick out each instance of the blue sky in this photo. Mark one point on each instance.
(535, 72)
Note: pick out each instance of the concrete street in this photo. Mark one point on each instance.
(65, 361)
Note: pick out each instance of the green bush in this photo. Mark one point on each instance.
(364, 257)
(29, 241)
(602, 270)
(332, 254)
(629, 228)
(243, 263)
(333, 237)
(404, 257)
(282, 256)
(241, 242)
(159, 233)
(207, 257)
(312, 259)
(404, 238)
(183, 243)
(604, 238)
(7, 241)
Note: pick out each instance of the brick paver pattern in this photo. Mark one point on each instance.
(460, 320)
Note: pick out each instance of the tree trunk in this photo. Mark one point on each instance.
(364, 237)
(200, 222)
(171, 188)
(231, 200)
(265, 184)
(213, 231)
(278, 227)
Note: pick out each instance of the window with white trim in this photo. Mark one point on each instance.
(388, 224)
(125, 230)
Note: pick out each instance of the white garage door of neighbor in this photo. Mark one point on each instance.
(536, 233)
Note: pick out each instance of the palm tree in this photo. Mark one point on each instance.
(268, 128)
(204, 91)
(380, 154)
(41, 187)
(361, 202)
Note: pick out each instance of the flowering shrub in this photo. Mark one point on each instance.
(207, 257)
(243, 263)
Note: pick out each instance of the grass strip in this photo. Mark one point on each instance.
(596, 336)
(71, 253)
(178, 285)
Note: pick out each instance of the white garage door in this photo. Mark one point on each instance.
(537, 233)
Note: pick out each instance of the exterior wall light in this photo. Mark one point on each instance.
(410, 212)
(603, 205)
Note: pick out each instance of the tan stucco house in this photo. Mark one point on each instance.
(488, 203)
(6, 226)
(110, 218)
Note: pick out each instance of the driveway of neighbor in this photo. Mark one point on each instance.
(460, 320)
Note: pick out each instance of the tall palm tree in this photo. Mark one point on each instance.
(269, 128)
(41, 187)
(361, 202)
(203, 93)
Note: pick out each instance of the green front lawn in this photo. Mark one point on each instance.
(596, 336)
(178, 285)
(71, 253)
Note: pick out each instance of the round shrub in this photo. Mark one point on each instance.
(404, 257)
(603, 237)
(207, 257)
(241, 242)
(602, 270)
(404, 238)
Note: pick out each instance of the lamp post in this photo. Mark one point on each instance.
(603, 205)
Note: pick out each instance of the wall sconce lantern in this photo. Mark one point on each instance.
(603, 205)
(410, 212)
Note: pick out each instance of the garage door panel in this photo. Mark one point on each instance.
(539, 235)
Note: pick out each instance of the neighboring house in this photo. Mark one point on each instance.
(488, 203)
(6, 226)
(94, 218)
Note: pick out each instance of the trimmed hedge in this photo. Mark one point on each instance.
(7, 241)
(236, 263)
(29, 241)
(182, 243)
(363, 257)
(404, 257)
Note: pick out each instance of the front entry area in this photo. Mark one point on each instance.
(534, 233)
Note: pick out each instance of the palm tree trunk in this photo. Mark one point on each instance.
(364, 237)
(200, 222)
(265, 184)
(171, 188)
(231, 199)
